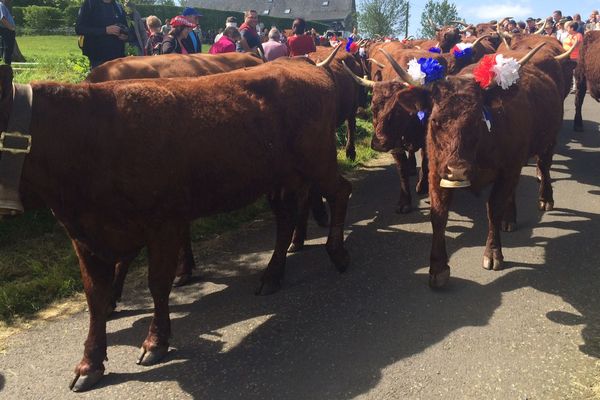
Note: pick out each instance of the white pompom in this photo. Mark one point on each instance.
(462, 46)
(414, 70)
(507, 71)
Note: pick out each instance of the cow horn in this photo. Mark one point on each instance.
(499, 23)
(418, 47)
(539, 31)
(261, 54)
(528, 56)
(459, 23)
(567, 53)
(479, 39)
(399, 70)
(374, 61)
(361, 81)
(331, 56)
(433, 25)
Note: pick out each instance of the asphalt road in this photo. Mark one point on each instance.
(531, 331)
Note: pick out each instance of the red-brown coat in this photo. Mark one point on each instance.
(587, 74)
(139, 159)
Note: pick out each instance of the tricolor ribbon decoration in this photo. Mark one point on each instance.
(504, 71)
(435, 50)
(461, 50)
(425, 70)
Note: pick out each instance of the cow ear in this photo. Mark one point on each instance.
(6, 78)
(415, 99)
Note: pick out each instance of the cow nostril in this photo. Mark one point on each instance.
(456, 173)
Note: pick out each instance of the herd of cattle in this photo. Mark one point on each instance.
(126, 163)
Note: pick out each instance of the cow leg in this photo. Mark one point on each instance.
(318, 207)
(439, 271)
(97, 276)
(404, 203)
(164, 246)
(509, 220)
(185, 262)
(423, 183)
(303, 210)
(412, 163)
(579, 97)
(546, 197)
(350, 135)
(502, 191)
(285, 206)
(337, 196)
(121, 269)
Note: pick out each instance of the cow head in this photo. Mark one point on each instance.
(448, 36)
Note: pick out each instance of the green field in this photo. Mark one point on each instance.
(38, 265)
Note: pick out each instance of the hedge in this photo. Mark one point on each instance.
(42, 17)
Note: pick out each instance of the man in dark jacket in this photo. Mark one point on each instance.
(192, 42)
(104, 27)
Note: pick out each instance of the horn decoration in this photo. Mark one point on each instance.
(361, 81)
(399, 70)
(331, 56)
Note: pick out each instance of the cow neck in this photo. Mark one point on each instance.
(20, 115)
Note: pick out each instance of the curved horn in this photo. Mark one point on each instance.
(479, 39)
(330, 57)
(361, 81)
(504, 40)
(528, 56)
(418, 47)
(499, 23)
(459, 23)
(399, 70)
(567, 53)
(433, 25)
(261, 54)
(374, 61)
(539, 31)
(507, 35)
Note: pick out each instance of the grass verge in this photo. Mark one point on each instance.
(38, 265)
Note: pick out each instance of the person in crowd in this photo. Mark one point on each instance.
(154, 42)
(573, 37)
(192, 42)
(166, 27)
(227, 42)
(103, 25)
(521, 26)
(273, 47)
(531, 28)
(549, 29)
(511, 26)
(173, 41)
(137, 29)
(299, 43)
(229, 22)
(560, 31)
(250, 38)
(7, 31)
(556, 16)
(577, 18)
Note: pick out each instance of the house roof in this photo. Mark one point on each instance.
(310, 10)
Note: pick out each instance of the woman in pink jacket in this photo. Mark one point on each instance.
(227, 42)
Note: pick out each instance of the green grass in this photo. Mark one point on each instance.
(38, 264)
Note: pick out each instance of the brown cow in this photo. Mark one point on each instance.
(463, 151)
(126, 171)
(587, 75)
(395, 129)
(171, 66)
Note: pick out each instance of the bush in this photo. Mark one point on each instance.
(17, 13)
(70, 15)
(41, 18)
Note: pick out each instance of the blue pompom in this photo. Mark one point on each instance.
(350, 40)
(435, 50)
(432, 69)
(468, 52)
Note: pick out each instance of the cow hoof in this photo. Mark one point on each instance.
(509, 226)
(151, 357)
(295, 247)
(340, 259)
(182, 280)
(268, 288)
(546, 205)
(492, 263)
(405, 209)
(439, 280)
(81, 383)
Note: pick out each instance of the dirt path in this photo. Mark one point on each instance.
(531, 331)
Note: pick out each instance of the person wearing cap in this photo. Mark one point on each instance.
(273, 47)
(192, 43)
(229, 22)
(530, 28)
(250, 39)
(103, 25)
(180, 29)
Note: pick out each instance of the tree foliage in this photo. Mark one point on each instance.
(440, 13)
(383, 17)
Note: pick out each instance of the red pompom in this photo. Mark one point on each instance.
(483, 72)
(353, 47)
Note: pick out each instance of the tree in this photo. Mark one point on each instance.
(438, 12)
(383, 17)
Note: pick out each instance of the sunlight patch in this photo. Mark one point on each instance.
(232, 335)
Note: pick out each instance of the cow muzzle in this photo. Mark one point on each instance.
(455, 177)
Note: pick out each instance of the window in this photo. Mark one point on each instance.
(266, 12)
(325, 3)
(287, 11)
